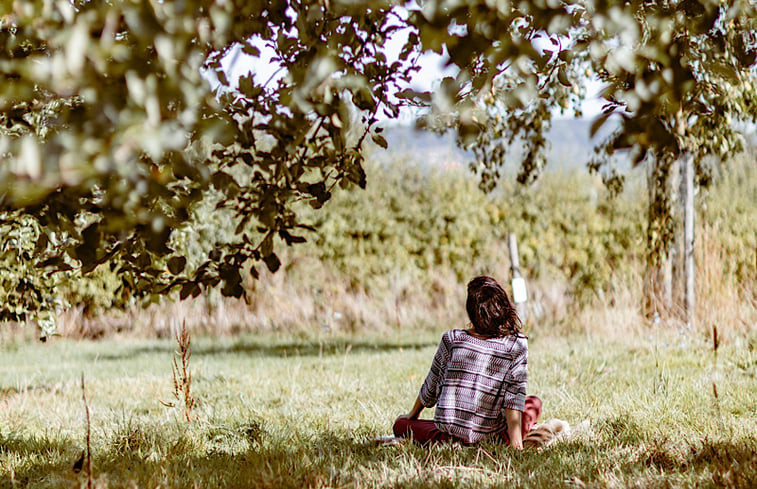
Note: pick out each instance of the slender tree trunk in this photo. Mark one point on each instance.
(688, 237)
(658, 275)
(684, 222)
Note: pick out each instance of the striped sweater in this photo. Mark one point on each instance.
(473, 380)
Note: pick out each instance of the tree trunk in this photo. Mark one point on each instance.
(658, 274)
(684, 222)
(688, 237)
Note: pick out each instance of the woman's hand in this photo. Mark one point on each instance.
(416, 411)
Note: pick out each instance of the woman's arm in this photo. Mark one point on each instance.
(429, 392)
(515, 394)
(417, 408)
(416, 411)
(513, 418)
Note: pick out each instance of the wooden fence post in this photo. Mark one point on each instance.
(688, 239)
(520, 295)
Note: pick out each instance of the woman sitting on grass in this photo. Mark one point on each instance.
(478, 377)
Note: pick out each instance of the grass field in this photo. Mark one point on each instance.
(275, 412)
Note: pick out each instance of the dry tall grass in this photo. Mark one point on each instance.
(722, 299)
(306, 298)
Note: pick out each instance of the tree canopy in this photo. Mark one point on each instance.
(675, 74)
(678, 80)
(110, 133)
(110, 136)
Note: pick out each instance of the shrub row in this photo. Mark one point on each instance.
(413, 221)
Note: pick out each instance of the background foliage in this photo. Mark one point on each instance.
(410, 256)
(111, 133)
(567, 228)
(676, 79)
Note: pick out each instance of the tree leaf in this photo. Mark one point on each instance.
(414, 96)
(380, 140)
(41, 243)
(187, 289)
(290, 239)
(272, 262)
(250, 49)
(562, 77)
(598, 123)
(176, 264)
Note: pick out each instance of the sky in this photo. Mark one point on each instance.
(432, 69)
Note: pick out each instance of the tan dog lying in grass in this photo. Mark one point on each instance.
(551, 431)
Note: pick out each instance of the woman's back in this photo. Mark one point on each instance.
(478, 377)
(472, 380)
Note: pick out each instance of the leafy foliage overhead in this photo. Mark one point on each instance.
(675, 74)
(679, 77)
(111, 135)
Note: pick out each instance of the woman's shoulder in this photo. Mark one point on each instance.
(515, 343)
(452, 334)
(522, 341)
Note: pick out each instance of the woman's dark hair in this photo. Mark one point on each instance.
(490, 310)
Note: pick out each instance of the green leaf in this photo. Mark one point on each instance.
(232, 281)
(232, 290)
(290, 239)
(726, 71)
(188, 289)
(176, 264)
(250, 49)
(562, 76)
(598, 123)
(266, 246)
(318, 190)
(41, 243)
(86, 254)
(272, 262)
(414, 96)
(143, 261)
(380, 140)
(52, 261)
(223, 181)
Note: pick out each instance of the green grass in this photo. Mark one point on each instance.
(273, 412)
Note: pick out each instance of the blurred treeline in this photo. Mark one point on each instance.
(398, 255)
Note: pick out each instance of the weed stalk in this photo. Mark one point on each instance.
(715, 345)
(89, 429)
(182, 377)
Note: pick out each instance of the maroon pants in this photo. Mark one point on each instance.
(424, 431)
